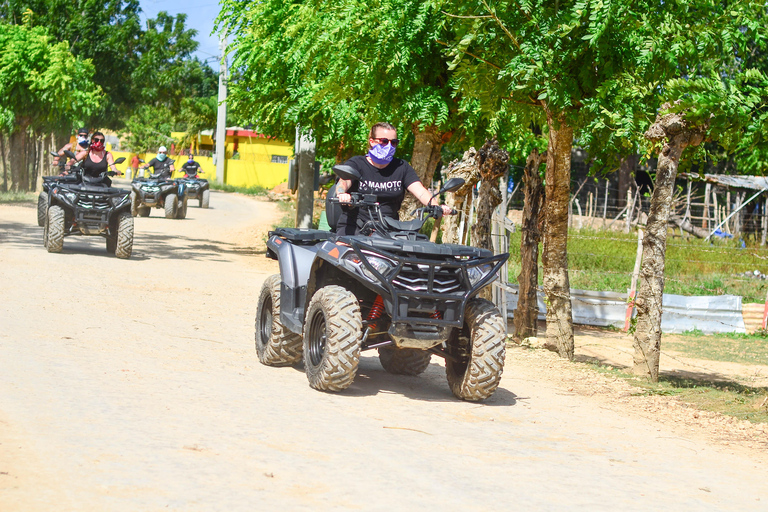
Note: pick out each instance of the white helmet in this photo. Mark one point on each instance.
(162, 149)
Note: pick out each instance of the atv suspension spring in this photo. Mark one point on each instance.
(437, 315)
(376, 310)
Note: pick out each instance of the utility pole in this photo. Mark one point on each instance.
(305, 174)
(221, 117)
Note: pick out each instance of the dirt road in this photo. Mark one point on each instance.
(133, 385)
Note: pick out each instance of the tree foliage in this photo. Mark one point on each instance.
(41, 83)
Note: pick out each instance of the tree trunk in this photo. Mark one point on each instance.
(5, 162)
(527, 312)
(424, 160)
(555, 255)
(460, 200)
(18, 160)
(626, 172)
(494, 163)
(672, 131)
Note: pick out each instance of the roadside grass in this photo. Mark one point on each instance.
(729, 347)
(287, 210)
(17, 197)
(251, 191)
(724, 397)
(604, 260)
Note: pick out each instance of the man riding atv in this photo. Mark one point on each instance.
(379, 283)
(160, 168)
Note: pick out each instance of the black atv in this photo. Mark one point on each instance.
(66, 175)
(388, 288)
(158, 191)
(196, 188)
(90, 207)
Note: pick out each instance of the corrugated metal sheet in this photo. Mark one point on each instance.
(710, 314)
(750, 182)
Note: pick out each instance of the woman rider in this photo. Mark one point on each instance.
(383, 175)
(97, 159)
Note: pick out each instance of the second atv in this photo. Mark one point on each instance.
(389, 289)
(158, 191)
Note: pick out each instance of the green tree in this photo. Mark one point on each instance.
(106, 32)
(148, 128)
(41, 85)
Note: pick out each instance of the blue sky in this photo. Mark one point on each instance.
(200, 16)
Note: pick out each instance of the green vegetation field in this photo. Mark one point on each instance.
(601, 260)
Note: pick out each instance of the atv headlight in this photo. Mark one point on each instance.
(382, 265)
(71, 196)
(478, 273)
(116, 200)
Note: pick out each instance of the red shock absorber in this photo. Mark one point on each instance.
(376, 310)
(437, 315)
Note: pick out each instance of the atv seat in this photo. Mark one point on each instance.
(302, 236)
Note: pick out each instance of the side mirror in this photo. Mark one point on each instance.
(451, 185)
(53, 153)
(69, 153)
(120, 160)
(142, 161)
(346, 172)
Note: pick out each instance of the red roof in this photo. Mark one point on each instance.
(245, 133)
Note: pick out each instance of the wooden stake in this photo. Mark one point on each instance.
(633, 284)
(705, 220)
(605, 203)
(764, 222)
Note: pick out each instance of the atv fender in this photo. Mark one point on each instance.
(295, 263)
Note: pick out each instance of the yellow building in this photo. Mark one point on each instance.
(252, 159)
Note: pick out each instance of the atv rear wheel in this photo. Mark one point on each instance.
(275, 345)
(144, 211)
(205, 198)
(124, 235)
(404, 361)
(134, 204)
(54, 229)
(181, 213)
(171, 204)
(332, 339)
(42, 208)
(482, 341)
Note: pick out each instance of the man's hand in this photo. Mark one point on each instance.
(344, 198)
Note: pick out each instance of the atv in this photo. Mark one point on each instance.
(66, 175)
(89, 207)
(158, 191)
(388, 288)
(196, 188)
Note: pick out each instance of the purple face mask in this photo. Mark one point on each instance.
(381, 155)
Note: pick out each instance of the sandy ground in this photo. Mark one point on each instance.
(133, 385)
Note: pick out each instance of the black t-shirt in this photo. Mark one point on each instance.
(162, 168)
(389, 184)
(190, 167)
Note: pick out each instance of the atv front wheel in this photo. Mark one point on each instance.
(332, 339)
(181, 213)
(275, 345)
(42, 208)
(54, 229)
(404, 361)
(205, 198)
(124, 235)
(480, 346)
(171, 204)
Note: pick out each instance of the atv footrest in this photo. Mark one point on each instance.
(302, 236)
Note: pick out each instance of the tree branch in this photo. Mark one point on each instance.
(470, 54)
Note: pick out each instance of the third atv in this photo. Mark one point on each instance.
(388, 288)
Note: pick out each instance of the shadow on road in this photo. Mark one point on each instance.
(146, 245)
(431, 386)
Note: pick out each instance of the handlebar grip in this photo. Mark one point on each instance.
(454, 211)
